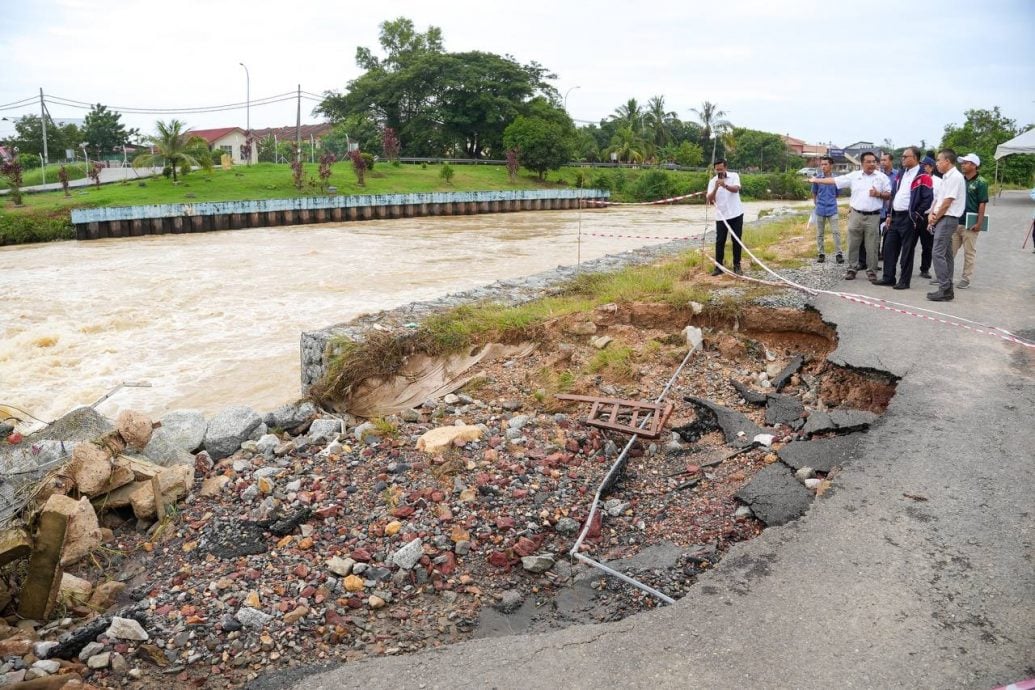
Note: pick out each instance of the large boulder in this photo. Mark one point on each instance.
(229, 429)
(83, 534)
(182, 430)
(292, 415)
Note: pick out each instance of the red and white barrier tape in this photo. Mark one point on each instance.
(639, 237)
(671, 200)
(875, 302)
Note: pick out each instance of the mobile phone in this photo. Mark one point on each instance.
(722, 176)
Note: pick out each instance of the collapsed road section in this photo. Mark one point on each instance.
(333, 538)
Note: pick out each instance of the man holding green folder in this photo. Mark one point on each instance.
(973, 220)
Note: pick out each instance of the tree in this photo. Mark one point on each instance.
(689, 154)
(761, 150)
(544, 139)
(629, 114)
(174, 148)
(627, 145)
(12, 170)
(659, 122)
(104, 132)
(28, 136)
(437, 102)
(713, 125)
(981, 132)
(356, 130)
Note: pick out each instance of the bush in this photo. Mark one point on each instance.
(23, 228)
(774, 186)
(602, 181)
(167, 171)
(581, 178)
(368, 158)
(446, 173)
(655, 184)
(28, 161)
(619, 180)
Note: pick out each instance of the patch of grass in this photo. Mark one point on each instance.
(615, 361)
(675, 281)
(385, 427)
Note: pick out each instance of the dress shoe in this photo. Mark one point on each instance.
(901, 286)
(717, 271)
(821, 258)
(849, 275)
(925, 274)
(839, 258)
(939, 296)
(738, 271)
(884, 281)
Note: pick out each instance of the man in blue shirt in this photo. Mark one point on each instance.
(825, 198)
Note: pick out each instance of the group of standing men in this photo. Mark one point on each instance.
(913, 204)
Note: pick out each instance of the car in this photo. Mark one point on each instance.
(808, 172)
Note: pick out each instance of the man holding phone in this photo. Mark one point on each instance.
(724, 193)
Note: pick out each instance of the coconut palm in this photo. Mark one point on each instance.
(627, 144)
(173, 147)
(714, 124)
(659, 121)
(630, 114)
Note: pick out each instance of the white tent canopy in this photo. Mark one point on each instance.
(1022, 143)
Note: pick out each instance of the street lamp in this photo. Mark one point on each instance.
(248, 107)
(566, 97)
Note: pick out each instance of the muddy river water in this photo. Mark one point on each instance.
(214, 319)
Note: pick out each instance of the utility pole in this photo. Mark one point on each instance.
(298, 127)
(43, 119)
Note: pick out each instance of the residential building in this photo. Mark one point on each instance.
(228, 140)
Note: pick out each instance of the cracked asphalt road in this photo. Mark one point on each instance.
(871, 588)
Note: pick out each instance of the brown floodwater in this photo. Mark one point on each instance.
(214, 319)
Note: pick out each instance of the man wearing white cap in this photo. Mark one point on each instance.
(966, 236)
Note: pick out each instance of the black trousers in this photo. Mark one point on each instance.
(721, 233)
(898, 247)
(926, 240)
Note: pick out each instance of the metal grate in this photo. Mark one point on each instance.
(625, 416)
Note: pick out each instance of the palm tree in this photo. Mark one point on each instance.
(173, 147)
(630, 114)
(712, 122)
(659, 121)
(627, 144)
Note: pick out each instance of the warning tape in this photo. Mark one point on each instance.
(880, 303)
(658, 202)
(640, 237)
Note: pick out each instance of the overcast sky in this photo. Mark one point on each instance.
(821, 71)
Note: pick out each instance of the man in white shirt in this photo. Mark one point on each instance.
(724, 193)
(870, 188)
(950, 200)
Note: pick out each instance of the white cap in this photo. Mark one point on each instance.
(971, 158)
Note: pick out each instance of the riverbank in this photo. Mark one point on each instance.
(45, 216)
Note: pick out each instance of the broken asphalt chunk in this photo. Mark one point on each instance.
(788, 371)
(839, 421)
(775, 496)
(751, 397)
(784, 409)
(738, 429)
(821, 455)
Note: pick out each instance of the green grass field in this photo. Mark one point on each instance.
(271, 181)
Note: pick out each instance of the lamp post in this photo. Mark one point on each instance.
(566, 97)
(247, 107)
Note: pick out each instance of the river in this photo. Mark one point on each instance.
(213, 319)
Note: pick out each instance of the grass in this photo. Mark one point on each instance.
(676, 281)
(34, 176)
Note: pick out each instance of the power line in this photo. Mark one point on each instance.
(70, 103)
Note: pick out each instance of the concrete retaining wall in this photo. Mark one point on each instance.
(132, 221)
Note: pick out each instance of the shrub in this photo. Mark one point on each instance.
(23, 228)
(359, 166)
(167, 171)
(368, 158)
(581, 178)
(620, 180)
(28, 161)
(446, 173)
(655, 184)
(602, 181)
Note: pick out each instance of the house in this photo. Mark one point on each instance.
(860, 147)
(811, 154)
(228, 140)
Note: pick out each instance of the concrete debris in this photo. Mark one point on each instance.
(822, 455)
(735, 426)
(838, 421)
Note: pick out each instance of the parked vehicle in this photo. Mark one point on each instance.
(808, 172)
